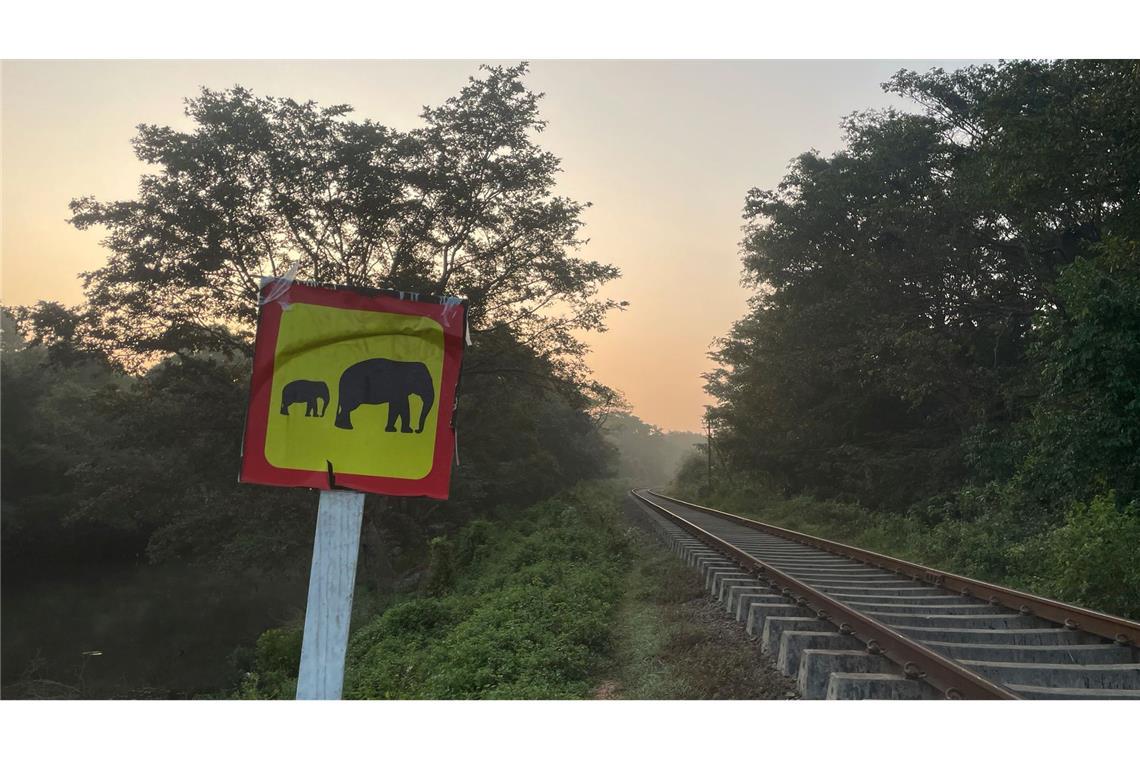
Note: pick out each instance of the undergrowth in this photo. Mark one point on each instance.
(515, 609)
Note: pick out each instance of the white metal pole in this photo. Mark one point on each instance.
(329, 609)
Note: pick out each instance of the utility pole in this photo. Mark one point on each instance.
(708, 445)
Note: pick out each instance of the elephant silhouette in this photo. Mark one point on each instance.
(308, 391)
(385, 381)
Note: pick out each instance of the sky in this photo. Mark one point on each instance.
(664, 150)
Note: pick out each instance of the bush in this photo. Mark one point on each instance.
(441, 565)
(526, 614)
(1092, 559)
(472, 538)
(279, 650)
(277, 656)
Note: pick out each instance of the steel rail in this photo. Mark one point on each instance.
(916, 661)
(1120, 630)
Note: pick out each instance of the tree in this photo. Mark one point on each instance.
(898, 281)
(879, 333)
(1082, 436)
(463, 205)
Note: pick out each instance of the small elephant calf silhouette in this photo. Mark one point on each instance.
(385, 381)
(307, 391)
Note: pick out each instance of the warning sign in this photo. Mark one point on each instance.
(354, 389)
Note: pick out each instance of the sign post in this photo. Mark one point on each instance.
(386, 364)
(329, 608)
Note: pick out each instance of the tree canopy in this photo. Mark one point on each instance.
(463, 205)
(123, 417)
(912, 290)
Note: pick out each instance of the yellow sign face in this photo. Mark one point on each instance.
(376, 374)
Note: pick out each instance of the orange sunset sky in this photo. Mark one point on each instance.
(664, 150)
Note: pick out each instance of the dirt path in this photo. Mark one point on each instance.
(673, 642)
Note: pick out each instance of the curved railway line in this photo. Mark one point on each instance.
(853, 624)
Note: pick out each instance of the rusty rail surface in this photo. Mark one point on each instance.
(1120, 630)
(916, 661)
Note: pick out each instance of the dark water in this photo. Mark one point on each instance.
(161, 631)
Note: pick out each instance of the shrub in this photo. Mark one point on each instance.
(279, 650)
(277, 656)
(441, 565)
(528, 614)
(1092, 559)
(472, 538)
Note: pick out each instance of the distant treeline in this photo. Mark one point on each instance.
(647, 455)
(946, 318)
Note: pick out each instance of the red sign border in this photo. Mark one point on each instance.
(255, 468)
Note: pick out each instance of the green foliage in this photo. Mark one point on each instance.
(939, 276)
(149, 460)
(97, 463)
(1091, 559)
(278, 650)
(276, 661)
(473, 538)
(525, 431)
(47, 436)
(441, 565)
(529, 617)
(1083, 436)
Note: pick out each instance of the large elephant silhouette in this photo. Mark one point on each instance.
(308, 391)
(385, 381)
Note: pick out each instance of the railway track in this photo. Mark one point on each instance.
(853, 624)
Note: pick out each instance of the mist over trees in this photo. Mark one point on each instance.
(946, 314)
(647, 456)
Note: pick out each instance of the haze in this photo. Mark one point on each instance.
(664, 150)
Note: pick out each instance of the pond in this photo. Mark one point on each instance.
(167, 631)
